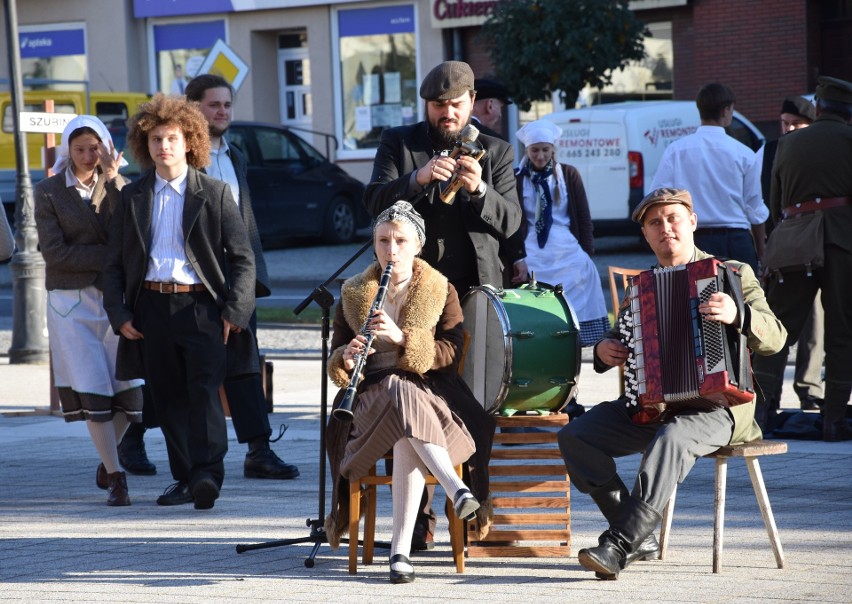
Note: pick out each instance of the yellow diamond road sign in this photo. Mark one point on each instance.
(223, 61)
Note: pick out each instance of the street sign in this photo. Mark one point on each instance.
(45, 122)
(223, 61)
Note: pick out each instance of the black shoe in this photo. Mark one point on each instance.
(176, 494)
(205, 492)
(101, 477)
(422, 539)
(132, 454)
(264, 463)
(808, 402)
(397, 576)
(465, 504)
(833, 432)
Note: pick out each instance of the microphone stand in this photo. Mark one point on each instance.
(317, 535)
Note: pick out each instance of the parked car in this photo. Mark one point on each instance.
(618, 146)
(295, 190)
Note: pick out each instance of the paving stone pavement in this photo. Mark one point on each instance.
(59, 542)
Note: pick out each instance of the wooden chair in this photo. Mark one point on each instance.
(619, 279)
(749, 452)
(370, 481)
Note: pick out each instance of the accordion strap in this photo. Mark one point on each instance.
(733, 286)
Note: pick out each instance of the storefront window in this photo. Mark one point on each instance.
(53, 56)
(378, 73)
(180, 50)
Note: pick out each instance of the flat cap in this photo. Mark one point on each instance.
(834, 89)
(491, 89)
(662, 196)
(449, 80)
(800, 106)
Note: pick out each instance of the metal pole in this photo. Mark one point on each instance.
(29, 319)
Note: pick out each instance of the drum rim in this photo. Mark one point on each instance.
(492, 293)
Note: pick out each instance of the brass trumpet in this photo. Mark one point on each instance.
(344, 411)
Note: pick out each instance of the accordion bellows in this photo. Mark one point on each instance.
(678, 359)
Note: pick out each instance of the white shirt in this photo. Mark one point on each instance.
(167, 261)
(85, 191)
(222, 168)
(720, 173)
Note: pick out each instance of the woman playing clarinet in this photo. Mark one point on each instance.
(410, 374)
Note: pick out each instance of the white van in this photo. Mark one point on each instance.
(618, 146)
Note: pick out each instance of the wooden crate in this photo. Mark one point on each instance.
(530, 490)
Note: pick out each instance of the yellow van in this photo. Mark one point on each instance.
(113, 108)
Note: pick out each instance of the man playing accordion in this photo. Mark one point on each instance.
(672, 442)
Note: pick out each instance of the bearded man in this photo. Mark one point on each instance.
(462, 238)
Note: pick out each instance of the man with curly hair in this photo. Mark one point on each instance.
(179, 288)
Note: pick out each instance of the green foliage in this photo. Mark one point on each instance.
(541, 46)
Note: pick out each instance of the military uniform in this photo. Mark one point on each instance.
(813, 163)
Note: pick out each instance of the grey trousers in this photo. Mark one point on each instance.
(590, 444)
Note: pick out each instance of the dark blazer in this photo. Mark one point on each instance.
(73, 232)
(216, 245)
(487, 219)
(578, 211)
(238, 158)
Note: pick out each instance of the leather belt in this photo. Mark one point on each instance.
(173, 288)
(820, 203)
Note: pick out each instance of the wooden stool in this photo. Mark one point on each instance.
(750, 452)
(370, 481)
(527, 481)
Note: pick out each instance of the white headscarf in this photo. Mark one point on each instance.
(63, 154)
(544, 131)
(539, 131)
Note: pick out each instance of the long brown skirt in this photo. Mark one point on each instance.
(398, 407)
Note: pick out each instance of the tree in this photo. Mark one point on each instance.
(541, 46)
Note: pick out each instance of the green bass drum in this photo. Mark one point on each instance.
(524, 349)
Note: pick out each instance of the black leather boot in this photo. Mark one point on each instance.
(638, 520)
(132, 454)
(262, 462)
(610, 499)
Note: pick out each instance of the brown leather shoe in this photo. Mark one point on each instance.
(101, 477)
(118, 494)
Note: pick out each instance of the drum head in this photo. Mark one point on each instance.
(524, 350)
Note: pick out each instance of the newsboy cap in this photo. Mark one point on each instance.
(798, 105)
(449, 80)
(662, 196)
(491, 89)
(834, 89)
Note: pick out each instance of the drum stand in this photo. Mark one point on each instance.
(317, 535)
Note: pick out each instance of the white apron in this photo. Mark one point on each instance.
(82, 344)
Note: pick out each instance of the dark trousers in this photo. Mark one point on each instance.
(249, 412)
(185, 365)
(791, 301)
(590, 444)
(728, 244)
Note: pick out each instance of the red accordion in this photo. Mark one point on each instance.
(678, 359)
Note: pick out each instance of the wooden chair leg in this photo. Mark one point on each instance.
(719, 512)
(354, 519)
(368, 549)
(666, 524)
(765, 509)
(457, 528)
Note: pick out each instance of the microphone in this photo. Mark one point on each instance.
(466, 145)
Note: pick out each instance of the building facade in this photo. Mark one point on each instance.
(342, 72)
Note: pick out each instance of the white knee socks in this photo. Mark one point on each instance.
(103, 436)
(438, 461)
(409, 478)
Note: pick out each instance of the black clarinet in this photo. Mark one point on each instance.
(344, 411)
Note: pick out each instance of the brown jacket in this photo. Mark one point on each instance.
(432, 323)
